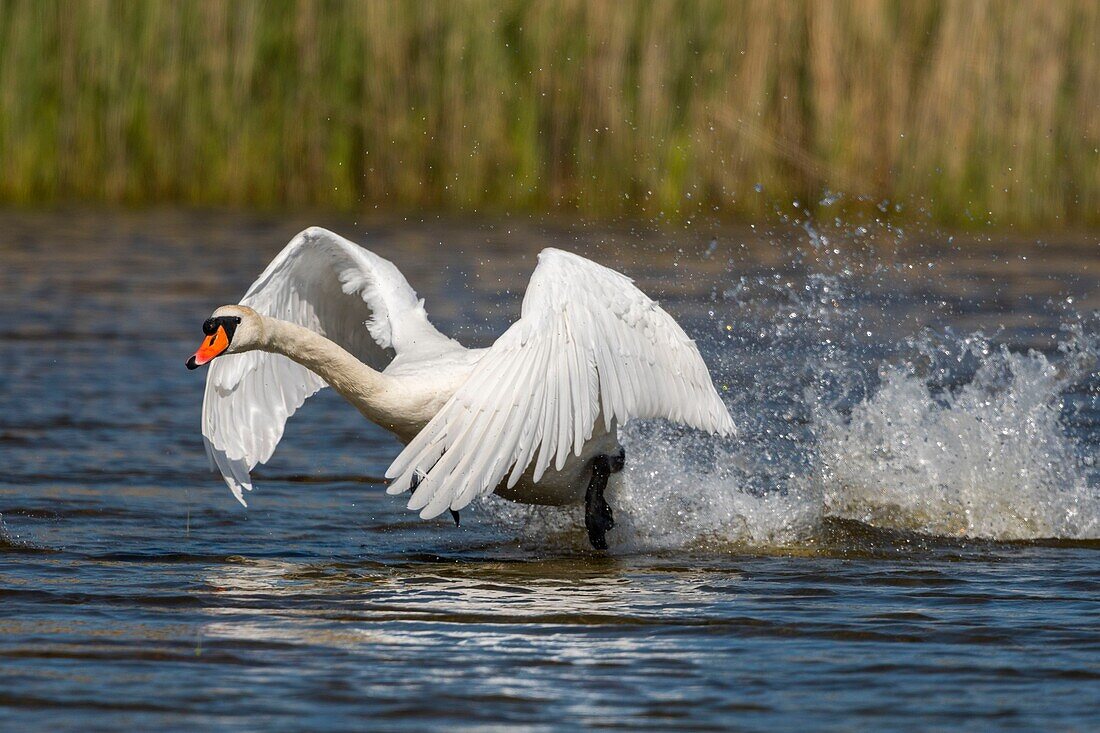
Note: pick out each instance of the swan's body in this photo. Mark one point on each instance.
(524, 418)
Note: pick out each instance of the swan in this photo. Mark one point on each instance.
(533, 418)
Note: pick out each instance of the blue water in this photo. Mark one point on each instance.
(905, 536)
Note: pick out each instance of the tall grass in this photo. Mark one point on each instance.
(970, 110)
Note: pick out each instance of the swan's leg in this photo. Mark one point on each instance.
(598, 518)
(416, 479)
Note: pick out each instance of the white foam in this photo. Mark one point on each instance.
(991, 459)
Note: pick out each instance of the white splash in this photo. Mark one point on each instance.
(686, 490)
(680, 489)
(991, 459)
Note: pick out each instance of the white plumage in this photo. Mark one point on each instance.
(329, 285)
(523, 417)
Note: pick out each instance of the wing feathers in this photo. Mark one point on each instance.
(325, 283)
(587, 342)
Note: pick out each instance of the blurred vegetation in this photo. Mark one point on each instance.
(964, 111)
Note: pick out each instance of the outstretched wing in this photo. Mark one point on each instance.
(587, 342)
(325, 283)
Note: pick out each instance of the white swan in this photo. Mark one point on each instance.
(533, 417)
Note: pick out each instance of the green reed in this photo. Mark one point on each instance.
(964, 111)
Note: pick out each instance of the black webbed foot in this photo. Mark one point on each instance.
(454, 516)
(598, 518)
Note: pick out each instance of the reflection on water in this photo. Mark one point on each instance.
(905, 532)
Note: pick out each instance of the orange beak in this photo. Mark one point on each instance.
(215, 344)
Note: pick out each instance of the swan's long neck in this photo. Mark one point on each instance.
(362, 386)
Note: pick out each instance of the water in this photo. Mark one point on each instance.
(904, 536)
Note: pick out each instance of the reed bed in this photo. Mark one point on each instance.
(962, 111)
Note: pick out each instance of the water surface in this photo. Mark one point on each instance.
(905, 535)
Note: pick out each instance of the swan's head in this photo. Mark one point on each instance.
(232, 329)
